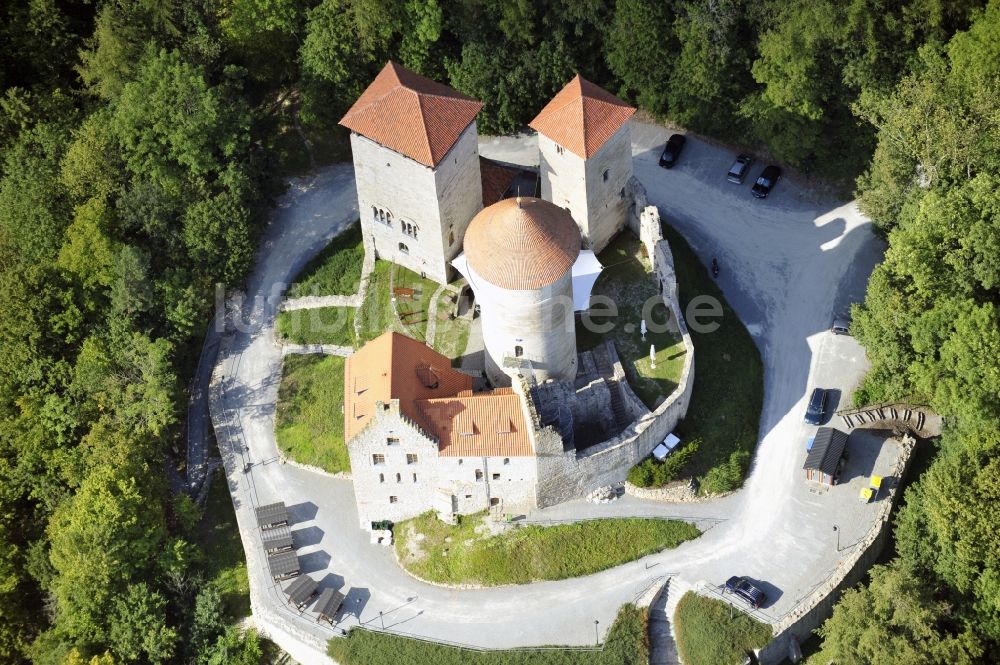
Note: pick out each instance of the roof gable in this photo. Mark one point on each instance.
(582, 117)
(478, 424)
(393, 366)
(412, 115)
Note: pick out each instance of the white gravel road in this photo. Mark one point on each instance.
(787, 263)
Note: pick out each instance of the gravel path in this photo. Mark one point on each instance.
(788, 263)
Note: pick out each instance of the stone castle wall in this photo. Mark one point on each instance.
(565, 475)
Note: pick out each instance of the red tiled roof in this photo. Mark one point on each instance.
(412, 115)
(582, 117)
(496, 179)
(522, 243)
(478, 424)
(394, 366)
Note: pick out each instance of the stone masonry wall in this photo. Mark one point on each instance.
(799, 624)
(607, 199)
(565, 475)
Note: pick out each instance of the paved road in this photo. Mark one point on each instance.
(787, 263)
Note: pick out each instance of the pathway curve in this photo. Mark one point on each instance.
(788, 263)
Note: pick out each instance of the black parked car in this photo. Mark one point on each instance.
(746, 590)
(767, 179)
(738, 171)
(817, 407)
(672, 150)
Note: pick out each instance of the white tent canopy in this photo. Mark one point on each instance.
(586, 270)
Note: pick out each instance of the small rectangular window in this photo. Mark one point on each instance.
(506, 460)
(392, 441)
(496, 476)
(414, 477)
(479, 474)
(411, 458)
(378, 459)
(393, 499)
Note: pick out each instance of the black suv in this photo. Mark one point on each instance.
(672, 150)
(746, 590)
(817, 407)
(738, 171)
(767, 179)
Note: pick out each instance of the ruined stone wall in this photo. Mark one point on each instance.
(565, 475)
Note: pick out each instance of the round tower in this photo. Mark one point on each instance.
(520, 255)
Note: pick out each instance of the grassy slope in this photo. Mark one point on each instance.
(627, 281)
(529, 553)
(452, 335)
(626, 644)
(334, 271)
(219, 542)
(322, 325)
(729, 377)
(709, 632)
(310, 420)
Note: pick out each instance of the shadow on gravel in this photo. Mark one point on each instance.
(356, 601)
(311, 535)
(302, 512)
(314, 561)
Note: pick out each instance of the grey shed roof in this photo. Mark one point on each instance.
(277, 538)
(328, 603)
(283, 564)
(301, 590)
(272, 514)
(826, 450)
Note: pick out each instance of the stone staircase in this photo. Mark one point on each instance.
(618, 404)
(662, 649)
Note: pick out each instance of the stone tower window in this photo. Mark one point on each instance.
(479, 474)
(560, 150)
(518, 351)
(404, 249)
(399, 478)
(410, 229)
(393, 499)
(451, 237)
(411, 458)
(381, 477)
(378, 459)
(604, 175)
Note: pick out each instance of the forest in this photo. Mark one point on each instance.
(142, 143)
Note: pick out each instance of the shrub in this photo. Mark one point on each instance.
(651, 473)
(727, 476)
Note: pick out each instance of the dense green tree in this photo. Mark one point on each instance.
(641, 51)
(138, 627)
(895, 621)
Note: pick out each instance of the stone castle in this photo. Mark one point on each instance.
(558, 424)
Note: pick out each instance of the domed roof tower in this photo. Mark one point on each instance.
(520, 255)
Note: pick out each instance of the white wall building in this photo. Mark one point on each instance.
(416, 165)
(585, 150)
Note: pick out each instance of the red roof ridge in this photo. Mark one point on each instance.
(585, 130)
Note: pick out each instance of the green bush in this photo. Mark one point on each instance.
(727, 476)
(651, 473)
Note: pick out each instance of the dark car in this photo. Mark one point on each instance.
(738, 171)
(767, 179)
(817, 407)
(746, 590)
(672, 151)
(841, 327)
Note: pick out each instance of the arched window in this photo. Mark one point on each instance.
(518, 351)
(375, 213)
(381, 215)
(605, 175)
(381, 477)
(404, 249)
(399, 478)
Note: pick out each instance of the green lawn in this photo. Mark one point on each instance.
(627, 280)
(334, 271)
(452, 335)
(626, 644)
(310, 420)
(322, 325)
(220, 545)
(375, 314)
(463, 555)
(413, 309)
(711, 632)
(729, 382)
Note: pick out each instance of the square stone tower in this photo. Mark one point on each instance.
(586, 158)
(416, 164)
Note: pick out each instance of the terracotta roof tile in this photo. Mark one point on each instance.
(412, 115)
(582, 117)
(523, 243)
(394, 366)
(478, 425)
(496, 179)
